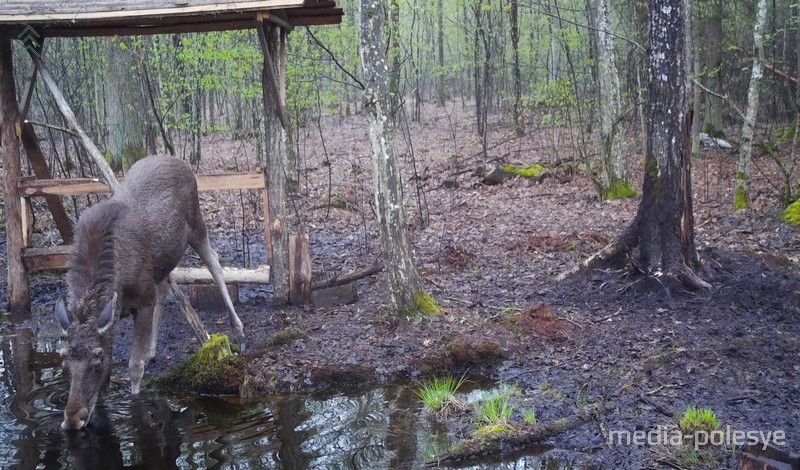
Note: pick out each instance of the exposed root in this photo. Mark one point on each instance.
(607, 253)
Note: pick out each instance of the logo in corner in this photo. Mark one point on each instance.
(29, 37)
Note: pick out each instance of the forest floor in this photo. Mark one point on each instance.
(489, 255)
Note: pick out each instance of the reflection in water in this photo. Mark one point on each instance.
(379, 428)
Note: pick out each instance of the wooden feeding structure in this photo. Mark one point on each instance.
(32, 21)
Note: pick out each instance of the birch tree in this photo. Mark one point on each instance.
(613, 156)
(404, 281)
(741, 198)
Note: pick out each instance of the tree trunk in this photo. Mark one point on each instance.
(742, 195)
(276, 166)
(664, 223)
(394, 59)
(441, 97)
(18, 286)
(404, 280)
(123, 111)
(613, 154)
(519, 128)
(714, 123)
(663, 229)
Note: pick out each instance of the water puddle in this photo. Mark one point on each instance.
(378, 428)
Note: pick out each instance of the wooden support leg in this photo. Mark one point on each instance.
(18, 284)
(299, 269)
(42, 172)
(26, 214)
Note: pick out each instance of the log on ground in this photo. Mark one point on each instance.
(519, 437)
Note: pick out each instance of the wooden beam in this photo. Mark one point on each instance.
(258, 275)
(18, 283)
(274, 19)
(299, 270)
(315, 20)
(135, 10)
(55, 257)
(87, 186)
(66, 111)
(141, 30)
(39, 164)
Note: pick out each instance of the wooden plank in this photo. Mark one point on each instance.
(259, 275)
(18, 283)
(47, 258)
(299, 270)
(315, 20)
(39, 164)
(81, 12)
(140, 30)
(86, 186)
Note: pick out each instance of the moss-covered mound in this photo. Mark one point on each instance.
(792, 213)
(534, 171)
(215, 369)
(619, 189)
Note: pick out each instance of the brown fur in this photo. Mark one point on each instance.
(127, 246)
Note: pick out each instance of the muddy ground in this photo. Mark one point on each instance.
(488, 255)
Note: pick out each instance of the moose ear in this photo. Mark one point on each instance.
(106, 318)
(62, 313)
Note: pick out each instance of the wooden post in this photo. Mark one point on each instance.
(18, 284)
(42, 172)
(299, 269)
(276, 164)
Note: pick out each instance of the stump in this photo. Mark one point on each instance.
(208, 296)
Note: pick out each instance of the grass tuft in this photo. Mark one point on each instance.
(439, 395)
(698, 419)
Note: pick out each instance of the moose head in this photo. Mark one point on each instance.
(87, 358)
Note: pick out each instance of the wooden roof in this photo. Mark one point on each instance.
(127, 17)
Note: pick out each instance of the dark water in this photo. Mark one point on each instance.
(378, 428)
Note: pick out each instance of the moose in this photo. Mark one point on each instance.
(124, 250)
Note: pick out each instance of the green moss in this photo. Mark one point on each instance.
(535, 171)
(741, 199)
(792, 213)
(215, 369)
(284, 337)
(619, 189)
(425, 304)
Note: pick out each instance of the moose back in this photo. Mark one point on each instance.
(125, 248)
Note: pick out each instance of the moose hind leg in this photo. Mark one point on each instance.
(210, 258)
(162, 289)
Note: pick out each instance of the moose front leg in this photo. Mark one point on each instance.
(143, 346)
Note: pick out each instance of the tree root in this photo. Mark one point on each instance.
(620, 245)
(517, 438)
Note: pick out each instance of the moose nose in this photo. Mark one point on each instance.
(76, 421)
